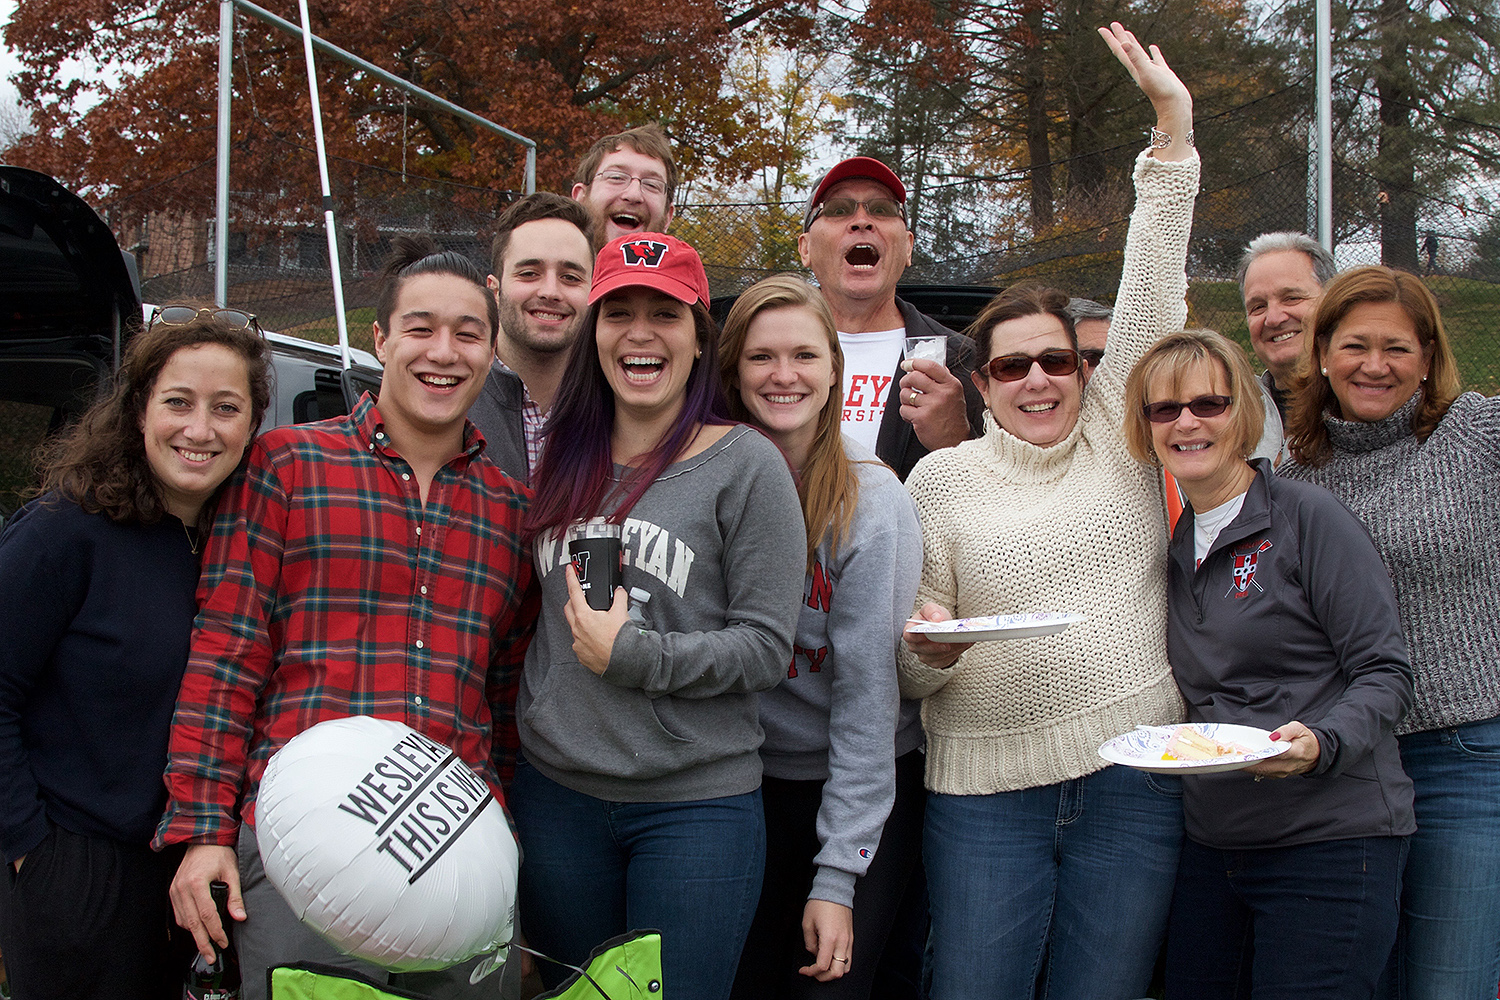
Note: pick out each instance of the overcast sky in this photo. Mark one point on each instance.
(7, 61)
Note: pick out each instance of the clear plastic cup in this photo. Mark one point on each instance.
(929, 348)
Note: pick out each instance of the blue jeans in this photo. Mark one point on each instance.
(1059, 891)
(1308, 922)
(1449, 946)
(592, 869)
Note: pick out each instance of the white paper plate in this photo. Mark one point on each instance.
(991, 627)
(1142, 749)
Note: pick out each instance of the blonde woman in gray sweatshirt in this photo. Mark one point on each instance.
(842, 757)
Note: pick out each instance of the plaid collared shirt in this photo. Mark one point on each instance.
(329, 590)
(532, 422)
(533, 419)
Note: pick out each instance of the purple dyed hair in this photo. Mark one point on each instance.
(574, 480)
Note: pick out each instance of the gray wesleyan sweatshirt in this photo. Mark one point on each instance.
(714, 557)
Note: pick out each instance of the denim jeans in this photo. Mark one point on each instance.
(1449, 945)
(1059, 891)
(1307, 922)
(592, 869)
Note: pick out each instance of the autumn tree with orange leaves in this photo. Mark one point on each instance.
(561, 73)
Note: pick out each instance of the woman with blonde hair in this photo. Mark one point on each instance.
(843, 765)
(1279, 617)
(1377, 417)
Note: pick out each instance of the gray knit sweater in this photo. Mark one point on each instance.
(1432, 508)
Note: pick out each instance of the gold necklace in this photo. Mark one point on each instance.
(193, 542)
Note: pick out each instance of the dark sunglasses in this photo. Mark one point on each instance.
(844, 208)
(183, 315)
(1091, 355)
(1014, 367)
(1203, 406)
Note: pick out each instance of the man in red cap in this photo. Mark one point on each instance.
(856, 241)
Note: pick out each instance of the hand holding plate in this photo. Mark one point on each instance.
(1300, 757)
(937, 655)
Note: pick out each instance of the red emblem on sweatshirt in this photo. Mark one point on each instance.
(1246, 555)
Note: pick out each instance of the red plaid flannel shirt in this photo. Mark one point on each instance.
(329, 590)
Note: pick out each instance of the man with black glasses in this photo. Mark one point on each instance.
(856, 241)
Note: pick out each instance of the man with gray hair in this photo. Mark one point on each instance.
(1091, 323)
(1281, 277)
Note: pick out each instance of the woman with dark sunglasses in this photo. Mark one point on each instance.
(1281, 617)
(100, 575)
(1050, 873)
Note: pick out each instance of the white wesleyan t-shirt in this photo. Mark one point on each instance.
(870, 360)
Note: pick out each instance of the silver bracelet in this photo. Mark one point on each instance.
(1161, 140)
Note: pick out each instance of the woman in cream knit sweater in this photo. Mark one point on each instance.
(1044, 866)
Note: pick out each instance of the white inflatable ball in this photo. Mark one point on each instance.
(387, 845)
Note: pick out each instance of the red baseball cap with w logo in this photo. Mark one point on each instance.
(650, 260)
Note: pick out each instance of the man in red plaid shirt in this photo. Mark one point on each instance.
(368, 565)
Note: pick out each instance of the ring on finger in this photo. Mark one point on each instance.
(914, 395)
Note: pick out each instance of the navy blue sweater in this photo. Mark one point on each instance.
(95, 619)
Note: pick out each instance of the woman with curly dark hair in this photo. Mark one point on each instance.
(99, 575)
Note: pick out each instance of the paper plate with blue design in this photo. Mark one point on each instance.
(989, 628)
(1224, 746)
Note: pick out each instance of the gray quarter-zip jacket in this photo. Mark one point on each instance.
(1292, 616)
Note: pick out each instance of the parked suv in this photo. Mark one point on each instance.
(70, 301)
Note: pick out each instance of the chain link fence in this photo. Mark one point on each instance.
(969, 230)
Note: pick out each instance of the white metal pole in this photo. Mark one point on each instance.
(328, 223)
(221, 190)
(1325, 125)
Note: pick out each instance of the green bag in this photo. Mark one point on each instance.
(627, 967)
(310, 981)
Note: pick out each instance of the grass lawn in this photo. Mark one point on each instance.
(1471, 315)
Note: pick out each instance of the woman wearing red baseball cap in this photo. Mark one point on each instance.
(637, 796)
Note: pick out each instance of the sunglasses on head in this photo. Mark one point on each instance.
(844, 208)
(1203, 406)
(1014, 367)
(183, 315)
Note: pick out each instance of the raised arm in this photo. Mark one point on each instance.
(1152, 300)
(1169, 96)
